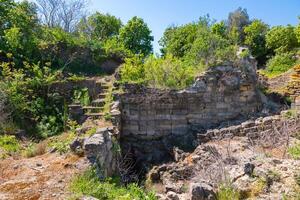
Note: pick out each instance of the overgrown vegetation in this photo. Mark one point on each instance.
(294, 151)
(9, 145)
(227, 192)
(110, 189)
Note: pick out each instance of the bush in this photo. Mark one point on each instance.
(227, 192)
(168, 72)
(9, 144)
(110, 189)
(31, 105)
(35, 149)
(280, 64)
(294, 151)
(132, 71)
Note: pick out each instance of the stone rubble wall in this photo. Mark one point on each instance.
(66, 88)
(253, 129)
(293, 88)
(223, 93)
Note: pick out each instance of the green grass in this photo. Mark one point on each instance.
(89, 184)
(294, 151)
(227, 192)
(9, 144)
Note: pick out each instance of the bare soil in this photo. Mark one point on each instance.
(41, 177)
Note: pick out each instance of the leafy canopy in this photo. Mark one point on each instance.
(136, 36)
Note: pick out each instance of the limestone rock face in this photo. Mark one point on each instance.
(98, 149)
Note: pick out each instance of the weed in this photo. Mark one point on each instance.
(33, 150)
(62, 143)
(227, 192)
(9, 144)
(294, 151)
(89, 184)
(91, 132)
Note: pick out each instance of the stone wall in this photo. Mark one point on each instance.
(153, 120)
(294, 88)
(271, 126)
(66, 88)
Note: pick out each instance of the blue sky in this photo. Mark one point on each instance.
(159, 14)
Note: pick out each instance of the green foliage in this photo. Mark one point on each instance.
(81, 96)
(168, 72)
(132, 71)
(62, 143)
(9, 144)
(280, 63)
(227, 192)
(219, 29)
(281, 39)
(99, 26)
(294, 151)
(31, 105)
(255, 38)
(110, 189)
(297, 32)
(178, 40)
(136, 36)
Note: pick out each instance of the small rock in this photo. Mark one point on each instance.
(88, 198)
(202, 191)
(172, 196)
(38, 164)
(249, 168)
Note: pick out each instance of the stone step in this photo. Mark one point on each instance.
(94, 114)
(92, 107)
(74, 106)
(98, 102)
(102, 95)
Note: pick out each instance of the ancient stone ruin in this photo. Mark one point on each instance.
(154, 120)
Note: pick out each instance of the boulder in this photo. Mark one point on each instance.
(76, 146)
(172, 196)
(202, 191)
(99, 150)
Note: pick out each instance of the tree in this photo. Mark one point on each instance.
(297, 31)
(281, 39)
(99, 26)
(219, 29)
(178, 40)
(136, 36)
(236, 22)
(61, 13)
(19, 28)
(255, 38)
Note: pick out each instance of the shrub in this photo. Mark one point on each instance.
(35, 149)
(81, 96)
(227, 192)
(280, 64)
(89, 184)
(132, 71)
(31, 105)
(168, 72)
(294, 151)
(9, 144)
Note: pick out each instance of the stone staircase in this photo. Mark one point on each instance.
(96, 107)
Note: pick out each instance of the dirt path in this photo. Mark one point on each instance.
(42, 177)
